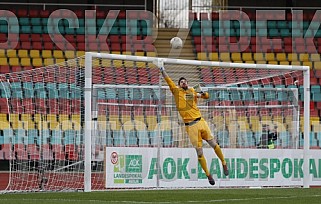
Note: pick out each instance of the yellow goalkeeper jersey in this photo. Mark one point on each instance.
(186, 101)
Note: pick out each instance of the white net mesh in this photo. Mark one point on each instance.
(43, 112)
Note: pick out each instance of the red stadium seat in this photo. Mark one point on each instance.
(41, 105)
(22, 13)
(58, 152)
(20, 152)
(33, 151)
(71, 152)
(4, 105)
(44, 13)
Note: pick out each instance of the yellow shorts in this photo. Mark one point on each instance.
(199, 132)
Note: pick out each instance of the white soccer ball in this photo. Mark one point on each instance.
(176, 43)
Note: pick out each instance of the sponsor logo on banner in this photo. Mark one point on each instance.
(127, 168)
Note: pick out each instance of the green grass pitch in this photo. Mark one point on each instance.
(239, 196)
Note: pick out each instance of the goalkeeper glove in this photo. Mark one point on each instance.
(198, 89)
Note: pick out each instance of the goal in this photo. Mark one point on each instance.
(109, 121)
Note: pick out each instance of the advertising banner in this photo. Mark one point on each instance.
(132, 167)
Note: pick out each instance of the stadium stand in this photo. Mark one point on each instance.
(38, 44)
(217, 39)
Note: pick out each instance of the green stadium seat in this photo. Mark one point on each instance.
(167, 138)
(16, 90)
(131, 138)
(143, 139)
(52, 90)
(32, 136)
(7, 136)
(19, 136)
(118, 138)
(223, 138)
(5, 91)
(45, 136)
(28, 90)
(258, 95)
(40, 90)
(4, 28)
(56, 137)
(69, 137)
(269, 95)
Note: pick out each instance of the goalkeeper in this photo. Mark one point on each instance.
(196, 127)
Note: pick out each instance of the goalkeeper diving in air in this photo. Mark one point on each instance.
(195, 126)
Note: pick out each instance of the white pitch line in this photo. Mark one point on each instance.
(161, 202)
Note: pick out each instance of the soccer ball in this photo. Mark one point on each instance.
(176, 43)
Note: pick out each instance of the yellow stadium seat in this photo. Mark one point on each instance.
(151, 122)
(46, 54)
(116, 52)
(12, 53)
(316, 126)
(105, 63)
(3, 54)
(25, 61)
(317, 65)
(49, 61)
(284, 62)
(261, 62)
(140, 64)
(151, 54)
(308, 64)
(236, 57)
(58, 54)
(76, 118)
(66, 125)
(80, 53)
(139, 54)
(243, 124)
(281, 57)
(273, 62)
(247, 56)
(315, 57)
(129, 63)
(4, 125)
(34, 53)
(269, 56)
(293, 57)
(14, 61)
(37, 62)
(250, 62)
(60, 60)
(117, 63)
(258, 57)
(70, 54)
(254, 123)
(218, 120)
(202, 56)
(127, 53)
(3, 61)
(151, 65)
(23, 53)
(225, 57)
(213, 56)
(295, 63)
(304, 57)
(114, 120)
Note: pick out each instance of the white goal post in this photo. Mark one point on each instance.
(91, 114)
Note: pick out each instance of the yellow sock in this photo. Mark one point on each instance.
(219, 154)
(203, 164)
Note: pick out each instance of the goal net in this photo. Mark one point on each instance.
(110, 121)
